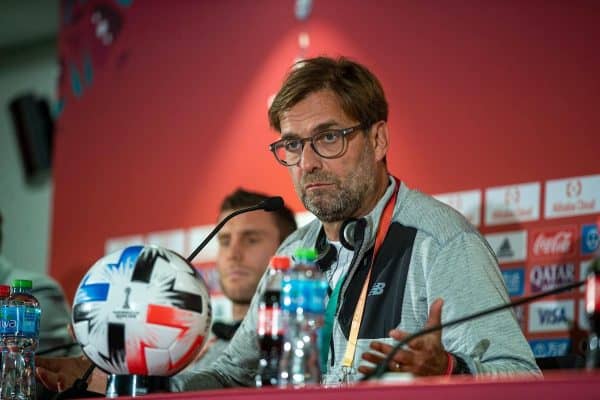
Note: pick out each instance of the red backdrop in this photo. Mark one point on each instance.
(164, 112)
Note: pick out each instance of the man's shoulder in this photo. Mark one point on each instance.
(40, 281)
(304, 236)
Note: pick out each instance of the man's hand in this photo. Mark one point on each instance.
(424, 356)
(59, 373)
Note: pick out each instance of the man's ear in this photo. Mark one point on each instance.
(379, 139)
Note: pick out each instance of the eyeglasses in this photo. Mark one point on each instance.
(331, 143)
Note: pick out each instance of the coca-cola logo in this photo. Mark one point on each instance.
(560, 242)
(574, 188)
(547, 277)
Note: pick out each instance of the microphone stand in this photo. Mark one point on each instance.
(382, 367)
(78, 389)
(270, 204)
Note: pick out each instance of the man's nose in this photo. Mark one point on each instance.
(235, 250)
(309, 159)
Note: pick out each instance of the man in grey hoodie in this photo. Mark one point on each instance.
(407, 261)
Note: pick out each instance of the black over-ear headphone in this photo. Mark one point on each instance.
(352, 231)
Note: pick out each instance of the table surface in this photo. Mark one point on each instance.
(575, 384)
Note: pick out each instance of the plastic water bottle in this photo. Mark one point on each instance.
(270, 328)
(4, 293)
(22, 313)
(303, 297)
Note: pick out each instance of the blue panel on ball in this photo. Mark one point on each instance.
(127, 258)
(92, 292)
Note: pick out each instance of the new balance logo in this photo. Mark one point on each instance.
(377, 289)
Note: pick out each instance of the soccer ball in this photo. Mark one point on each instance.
(142, 310)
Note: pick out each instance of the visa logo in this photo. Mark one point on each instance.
(551, 316)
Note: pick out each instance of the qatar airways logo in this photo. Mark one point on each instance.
(553, 243)
(548, 277)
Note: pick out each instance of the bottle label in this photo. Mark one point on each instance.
(20, 321)
(318, 293)
(309, 295)
(269, 321)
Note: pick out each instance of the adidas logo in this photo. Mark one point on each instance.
(505, 249)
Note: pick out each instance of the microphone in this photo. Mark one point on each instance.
(382, 367)
(270, 204)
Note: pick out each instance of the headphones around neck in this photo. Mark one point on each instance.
(352, 232)
(347, 233)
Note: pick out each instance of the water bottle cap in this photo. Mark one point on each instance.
(22, 283)
(305, 254)
(4, 290)
(280, 262)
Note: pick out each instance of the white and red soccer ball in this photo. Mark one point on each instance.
(141, 310)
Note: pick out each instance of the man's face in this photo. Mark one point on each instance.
(246, 243)
(332, 189)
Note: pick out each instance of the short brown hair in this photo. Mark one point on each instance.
(241, 198)
(359, 92)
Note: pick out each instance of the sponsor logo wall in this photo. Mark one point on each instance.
(544, 235)
(540, 245)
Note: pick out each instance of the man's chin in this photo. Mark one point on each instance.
(325, 213)
(238, 296)
(242, 301)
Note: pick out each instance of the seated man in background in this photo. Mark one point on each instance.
(245, 245)
(54, 334)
